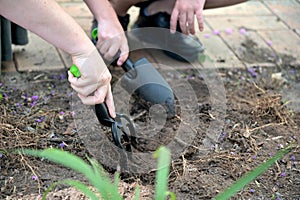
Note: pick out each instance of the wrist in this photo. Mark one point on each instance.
(83, 48)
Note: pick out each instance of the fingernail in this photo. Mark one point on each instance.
(172, 31)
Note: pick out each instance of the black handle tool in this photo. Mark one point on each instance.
(120, 136)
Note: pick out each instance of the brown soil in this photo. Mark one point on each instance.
(258, 122)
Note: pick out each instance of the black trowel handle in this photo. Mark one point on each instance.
(128, 65)
(103, 115)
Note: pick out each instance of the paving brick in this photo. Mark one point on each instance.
(76, 9)
(284, 41)
(215, 48)
(249, 8)
(254, 22)
(288, 11)
(38, 55)
(236, 42)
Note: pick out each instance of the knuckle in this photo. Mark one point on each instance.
(106, 77)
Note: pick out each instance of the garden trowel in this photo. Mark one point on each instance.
(144, 80)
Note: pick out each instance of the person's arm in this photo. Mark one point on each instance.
(111, 37)
(48, 20)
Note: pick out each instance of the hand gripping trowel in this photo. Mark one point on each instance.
(144, 80)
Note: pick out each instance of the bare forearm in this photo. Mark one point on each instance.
(221, 3)
(101, 9)
(48, 20)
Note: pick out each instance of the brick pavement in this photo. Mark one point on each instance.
(272, 24)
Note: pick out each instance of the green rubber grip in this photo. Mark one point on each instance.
(94, 33)
(75, 71)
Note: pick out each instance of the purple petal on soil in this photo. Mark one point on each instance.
(292, 71)
(270, 154)
(62, 145)
(52, 92)
(70, 94)
(293, 158)
(62, 76)
(269, 42)
(228, 31)
(252, 72)
(1, 84)
(252, 191)
(61, 112)
(216, 32)
(18, 104)
(73, 113)
(33, 103)
(189, 77)
(39, 120)
(254, 157)
(273, 55)
(223, 135)
(5, 95)
(243, 31)
(206, 35)
(283, 174)
(1, 155)
(55, 77)
(35, 178)
(35, 98)
(200, 76)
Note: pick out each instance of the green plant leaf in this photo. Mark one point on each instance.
(96, 175)
(246, 179)
(76, 184)
(103, 183)
(137, 193)
(171, 194)
(164, 158)
(99, 181)
(64, 158)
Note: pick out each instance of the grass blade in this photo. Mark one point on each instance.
(137, 193)
(103, 183)
(64, 158)
(164, 157)
(95, 174)
(249, 177)
(99, 180)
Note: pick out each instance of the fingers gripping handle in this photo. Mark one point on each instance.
(127, 65)
(100, 109)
